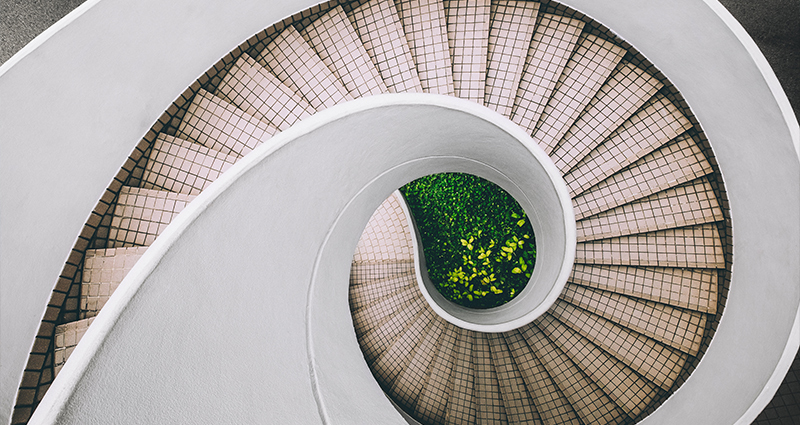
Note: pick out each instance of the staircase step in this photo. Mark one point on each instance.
(657, 362)
(378, 312)
(379, 28)
(510, 33)
(411, 381)
(693, 247)
(695, 289)
(364, 295)
(181, 166)
(296, 64)
(65, 339)
(218, 125)
(379, 339)
(336, 42)
(518, 403)
(625, 91)
(140, 215)
(431, 405)
(387, 236)
(656, 123)
(550, 49)
(461, 407)
(397, 358)
(677, 162)
(550, 402)
(686, 205)
(622, 384)
(589, 401)
(367, 273)
(254, 89)
(678, 328)
(468, 37)
(103, 271)
(426, 31)
(487, 388)
(589, 67)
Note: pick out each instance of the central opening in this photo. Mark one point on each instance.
(479, 246)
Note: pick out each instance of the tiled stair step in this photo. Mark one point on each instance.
(432, 402)
(363, 296)
(657, 362)
(622, 384)
(103, 271)
(254, 89)
(379, 339)
(550, 49)
(381, 33)
(387, 236)
(588, 68)
(411, 380)
(686, 205)
(336, 42)
(218, 125)
(296, 64)
(694, 289)
(140, 215)
(550, 402)
(468, 37)
(461, 407)
(627, 89)
(589, 401)
(426, 31)
(368, 318)
(657, 122)
(487, 388)
(181, 166)
(510, 32)
(519, 405)
(369, 273)
(676, 327)
(66, 338)
(677, 162)
(692, 247)
(397, 358)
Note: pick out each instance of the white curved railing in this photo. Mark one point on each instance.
(97, 99)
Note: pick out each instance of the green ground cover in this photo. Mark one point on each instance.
(478, 243)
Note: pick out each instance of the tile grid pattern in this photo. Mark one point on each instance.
(387, 235)
(461, 408)
(103, 271)
(468, 36)
(66, 338)
(398, 358)
(432, 402)
(142, 214)
(411, 382)
(518, 403)
(425, 27)
(491, 408)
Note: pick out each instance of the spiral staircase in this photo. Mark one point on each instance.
(654, 238)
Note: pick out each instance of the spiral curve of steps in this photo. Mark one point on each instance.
(653, 254)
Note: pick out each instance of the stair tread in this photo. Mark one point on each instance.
(685, 205)
(182, 166)
(694, 247)
(518, 403)
(367, 273)
(379, 28)
(550, 402)
(680, 329)
(255, 90)
(694, 289)
(103, 270)
(336, 42)
(487, 388)
(425, 28)
(296, 64)
(364, 295)
(65, 338)
(677, 162)
(626, 90)
(376, 341)
(657, 122)
(411, 381)
(468, 38)
(140, 215)
(550, 49)
(378, 312)
(461, 406)
(432, 402)
(510, 33)
(591, 404)
(218, 125)
(396, 359)
(622, 384)
(655, 361)
(588, 68)
(387, 236)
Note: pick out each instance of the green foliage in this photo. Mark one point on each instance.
(478, 244)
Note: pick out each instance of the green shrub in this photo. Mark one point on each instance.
(479, 245)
